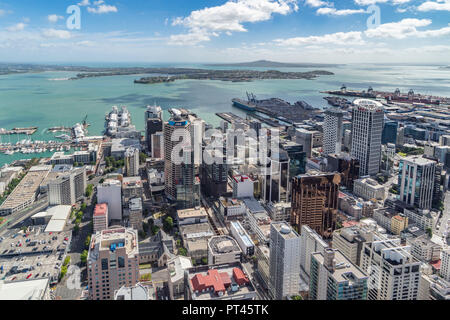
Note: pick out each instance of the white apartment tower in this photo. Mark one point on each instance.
(416, 181)
(110, 192)
(284, 261)
(367, 129)
(333, 131)
(394, 273)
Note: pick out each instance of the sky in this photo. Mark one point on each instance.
(196, 31)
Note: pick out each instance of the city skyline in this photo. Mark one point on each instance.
(405, 31)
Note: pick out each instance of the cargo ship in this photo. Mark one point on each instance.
(249, 105)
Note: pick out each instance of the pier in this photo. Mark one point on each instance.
(28, 131)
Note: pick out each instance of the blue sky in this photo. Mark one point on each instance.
(226, 31)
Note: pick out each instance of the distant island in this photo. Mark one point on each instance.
(273, 64)
(164, 74)
(231, 75)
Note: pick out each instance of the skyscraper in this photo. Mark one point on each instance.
(132, 162)
(333, 131)
(390, 132)
(367, 128)
(180, 181)
(284, 261)
(346, 165)
(113, 262)
(416, 181)
(153, 124)
(315, 201)
(276, 180)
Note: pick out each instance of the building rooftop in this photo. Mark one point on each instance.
(223, 244)
(113, 239)
(198, 212)
(24, 290)
(100, 210)
(222, 281)
(286, 231)
(139, 292)
(344, 269)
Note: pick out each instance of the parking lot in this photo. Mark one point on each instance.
(32, 255)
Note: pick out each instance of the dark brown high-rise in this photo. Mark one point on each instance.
(315, 201)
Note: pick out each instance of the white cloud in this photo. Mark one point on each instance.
(104, 8)
(316, 3)
(53, 18)
(369, 2)
(229, 17)
(17, 27)
(339, 38)
(54, 33)
(439, 5)
(84, 3)
(335, 12)
(406, 28)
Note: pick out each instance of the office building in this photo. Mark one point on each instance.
(284, 261)
(347, 166)
(132, 162)
(176, 267)
(390, 132)
(113, 262)
(369, 189)
(243, 187)
(333, 131)
(349, 241)
(310, 242)
(367, 127)
(153, 124)
(157, 145)
(192, 216)
(393, 272)
(214, 174)
(243, 239)
(416, 181)
(110, 192)
(335, 277)
(100, 219)
(223, 249)
(398, 224)
(305, 138)
(276, 178)
(433, 287)
(424, 249)
(315, 201)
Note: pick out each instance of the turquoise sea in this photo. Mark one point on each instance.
(47, 99)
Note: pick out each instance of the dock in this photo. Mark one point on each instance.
(28, 131)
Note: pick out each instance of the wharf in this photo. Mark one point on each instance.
(28, 131)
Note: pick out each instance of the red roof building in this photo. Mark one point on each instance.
(213, 281)
(240, 277)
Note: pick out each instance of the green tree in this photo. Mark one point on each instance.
(66, 261)
(83, 207)
(63, 272)
(84, 256)
(87, 242)
(429, 232)
(168, 224)
(182, 251)
(89, 190)
(142, 158)
(205, 261)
